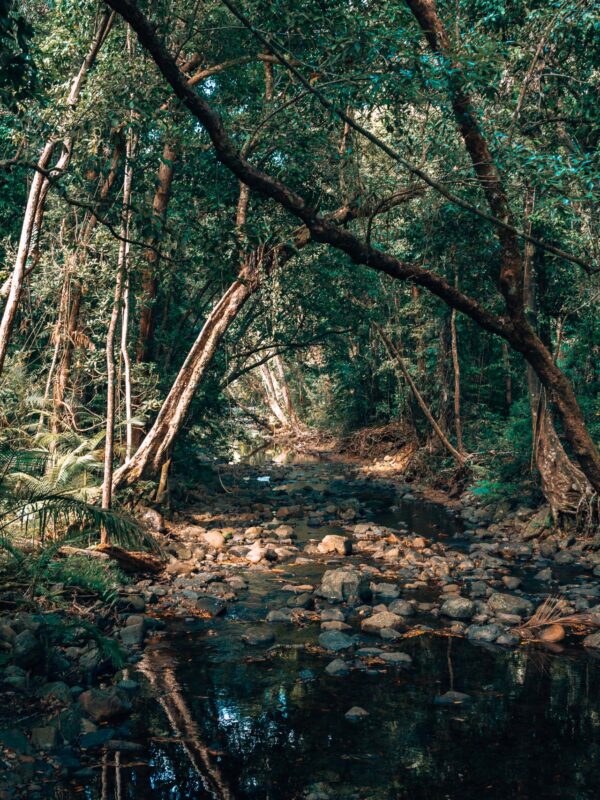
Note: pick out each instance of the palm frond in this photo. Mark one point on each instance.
(67, 516)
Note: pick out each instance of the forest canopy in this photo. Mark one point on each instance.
(223, 220)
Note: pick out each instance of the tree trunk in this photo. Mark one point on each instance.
(160, 205)
(127, 363)
(564, 485)
(395, 355)
(69, 313)
(508, 392)
(456, 372)
(107, 487)
(40, 184)
(152, 452)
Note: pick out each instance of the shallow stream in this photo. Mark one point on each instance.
(222, 720)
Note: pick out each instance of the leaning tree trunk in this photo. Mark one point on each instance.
(396, 356)
(40, 184)
(152, 452)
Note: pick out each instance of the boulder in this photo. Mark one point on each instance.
(356, 713)
(401, 607)
(152, 519)
(255, 554)
(340, 585)
(258, 636)
(396, 659)
(510, 604)
(213, 539)
(389, 591)
(451, 699)
(27, 650)
(335, 544)
(540, 523)
(592, 641)
(380, 621)
(335, 640)
(458, 608)
(484, 633)
(102, 705)
(337, 668)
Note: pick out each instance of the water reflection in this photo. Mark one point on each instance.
(251, 729)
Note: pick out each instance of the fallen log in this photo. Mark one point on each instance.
(132, 561)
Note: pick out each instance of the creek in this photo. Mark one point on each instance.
(222, 720)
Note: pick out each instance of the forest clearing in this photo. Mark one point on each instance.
(300, 399)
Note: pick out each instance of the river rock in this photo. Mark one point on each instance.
(27, 650)
(592, 641)
(385, 590)
(335, 544)
(338, 668)
(44, 737)
(510, 604)
(335, 640)
(540, 523)
(356, 713)
(458, 608)
(102, 705)
(213, 539)
(340, 585)
(451, 698)
(380, 621)
(258, 636)
(279, 615)
(255, 554)
(57, 692)
(132, 635)
(332, 615)
(397, 659)
(151, 519)
(484, 633)
(401, 607)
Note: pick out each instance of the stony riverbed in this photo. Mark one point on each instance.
(317, 634)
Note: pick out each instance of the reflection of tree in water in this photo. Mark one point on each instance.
(522, 725)
(255, 730)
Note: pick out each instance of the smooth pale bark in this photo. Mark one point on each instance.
(127, 364)
(395, 354)
(153, 451)
(456, 373)
(270, 396)
(34, 211)
(107, 486)
(276, 393)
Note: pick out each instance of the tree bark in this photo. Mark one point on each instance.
(160, 205)
(564, 485)
(107, 485)
(69, 313)
(456, 372)
(40, 184)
